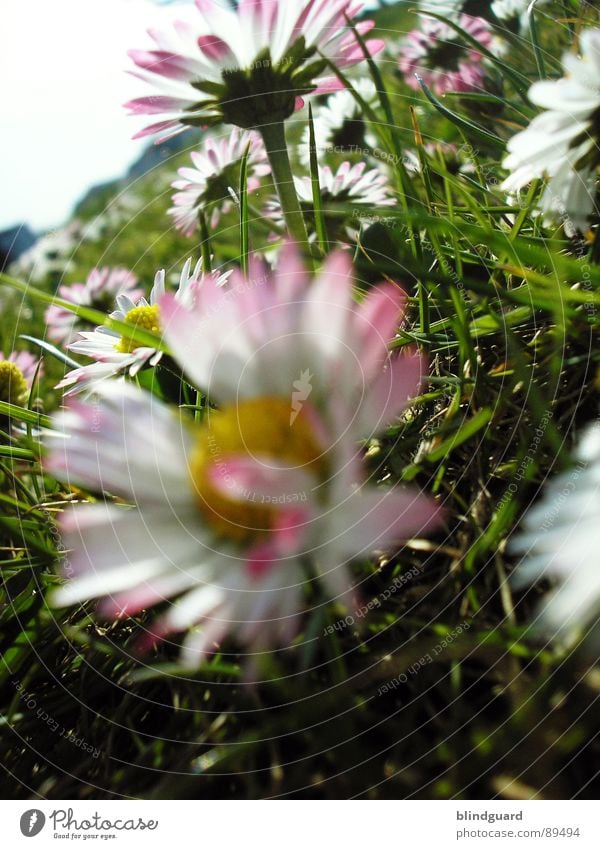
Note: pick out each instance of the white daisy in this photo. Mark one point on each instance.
(450, 9)
(50, 255)
(117, 355)
(561, 540)
(339, 124)
(516, 10)
(215, 176)
(563, 143)
(99, 291)
(348, 185)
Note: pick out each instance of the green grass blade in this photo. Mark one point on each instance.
(244, 223)
(537, 50)
(20, 414)
(520, 81)
(52, 350)
(18, 453)
(459, 121)
(320, 224)
(144, 338)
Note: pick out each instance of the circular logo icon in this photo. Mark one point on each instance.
(32, 822)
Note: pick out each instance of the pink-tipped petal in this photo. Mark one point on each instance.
(391, 393)
(250, 479)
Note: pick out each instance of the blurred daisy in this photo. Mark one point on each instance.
(561, 540)
(17, 372)
(50, 255)
(563, 143)
(248, 66)
(99, 291)
(349, 185)
(233, 516)
(339, 124)
(214, 180)
(121, 210)
(117, 355)
(439, 56)
(515, 11)
(450, 9)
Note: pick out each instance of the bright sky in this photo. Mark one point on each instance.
(62, 124)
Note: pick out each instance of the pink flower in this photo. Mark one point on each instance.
(99, 291)
(247, 66)
(438, 55)
(216, 173)
(229, 513)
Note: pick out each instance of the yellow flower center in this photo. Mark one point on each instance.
(13, 386)
(260, 429)
(146, 318)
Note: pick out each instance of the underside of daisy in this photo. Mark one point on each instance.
(249, 66)
(209, 187)
(438, 55)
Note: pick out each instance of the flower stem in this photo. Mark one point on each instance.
(274, 139)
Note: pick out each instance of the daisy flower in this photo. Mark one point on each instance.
(438, 55)
(515, 11)
(117, 355)
(215, 175)
(349, 184)
(98, 291)
(120, 211)
(17, 372)
(232, 516)
(339, 124)
(561, 539)
(563, 143)
(247, 66)
(450, 9)
(50, 255)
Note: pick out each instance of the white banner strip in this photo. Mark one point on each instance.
(298, 824)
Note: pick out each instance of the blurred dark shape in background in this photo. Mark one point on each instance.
(14, 242)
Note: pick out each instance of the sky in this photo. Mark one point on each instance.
(62, 123)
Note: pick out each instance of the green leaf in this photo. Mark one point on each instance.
(486, 324)
(52, 350)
